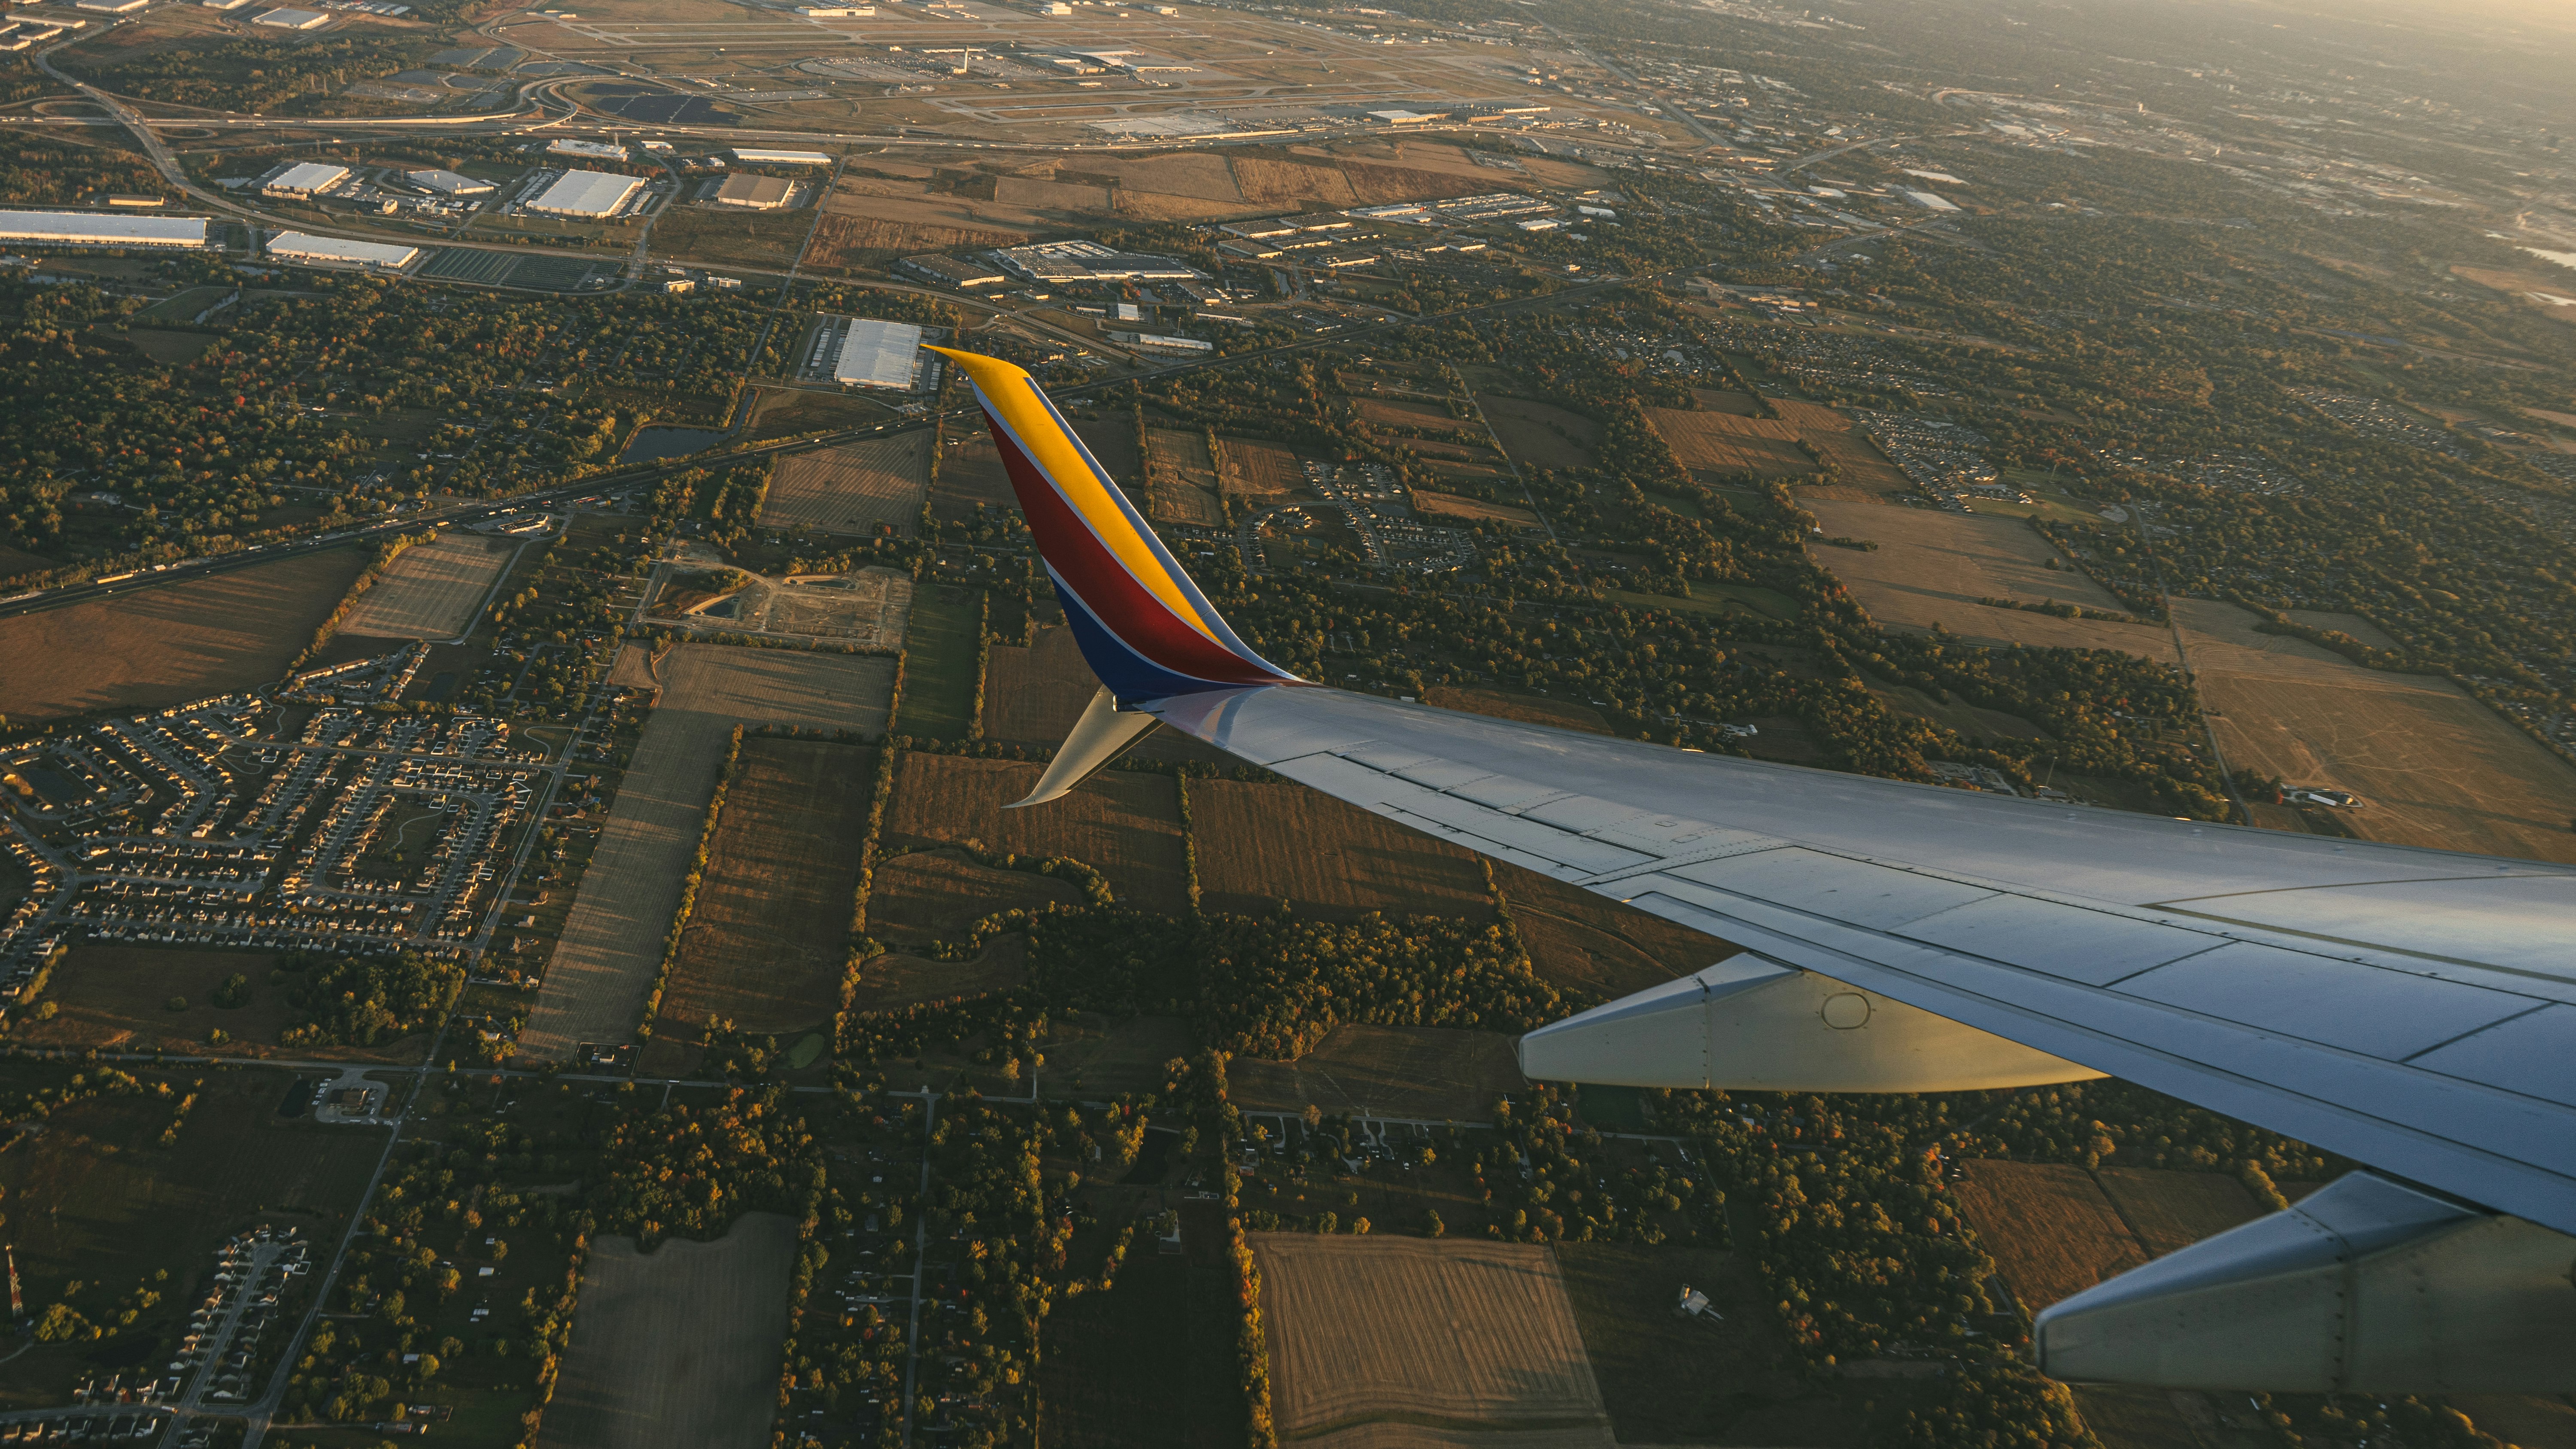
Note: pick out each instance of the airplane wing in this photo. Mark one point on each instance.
(2411, 1009)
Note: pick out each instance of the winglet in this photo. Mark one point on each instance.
(1142, 624)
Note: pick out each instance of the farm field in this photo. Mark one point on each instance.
(769, 935)
(2051, 1230)
(93, 1196)
(861, 487)
(1866, 471)
(1539, 435)
(1474, 510)
(433, 590)
(1716, 442)
(679, 1348)
(939, 664)
(1932, 567)
(2438, 767)
(1387, 1071)
(1034, 693)
(1147, 1365)
(1722, 1382)
(1123, 823)
(970, 472)
(1184, 477)
(1374, 1332)
(603, 967)
(899, 979)
(2170, 1210)
(928, 895)
(1257, 843)
(1257, 472)
(118, 998)
(149, 647)
(1591, 943)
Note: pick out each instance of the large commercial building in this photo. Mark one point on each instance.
(596, 150)
(99, 229)
(878, 354)
(763, 156)
(292, 19)
(754, 193)
(590, 195)
(448, 183)
(306, 178)
(112, 7)
(958, 272)
(326, 251)
(1083, 261)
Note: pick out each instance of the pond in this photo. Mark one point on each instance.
(653, 444)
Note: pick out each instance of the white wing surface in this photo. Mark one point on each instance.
(2412, 1009)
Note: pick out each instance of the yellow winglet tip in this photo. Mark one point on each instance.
(984, 371)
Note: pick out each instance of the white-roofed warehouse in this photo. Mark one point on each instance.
(295, 246)
(306, 178)
(99, 229)
(770, 156)
(878, 354)
(592, 194)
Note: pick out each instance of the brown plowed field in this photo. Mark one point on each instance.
(2049, 1228)
(1374, 1336)
(2171, 1210)
(1184, 479)
(1033, 695)
(1267, 182)
(1714, 442)
(1257, 843)
(432, 591)
(1590, 942)
(1387, 1071)
(970, 472)
(1123, 823)
(931, 895)
(148, 647)
(770, 931)
(857, 488)
(1450, 505)
(679, 1348)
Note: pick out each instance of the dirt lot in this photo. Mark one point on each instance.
(1257, 843)
(1539, 435)
(2050, 1229)
(770, 931)
(433, 591)
(1722, 442)
(1380, 1331)
(1258, 472)
(603, 968)
(862, 487)
(117, 997)
(1184, 479)
(677, 1349)
(147, 647)
(1387, 1071)
(1123, 823)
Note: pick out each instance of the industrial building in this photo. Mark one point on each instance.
(292, 19)
(762, 156)
(958, 272)
(326, 251)
(448, 183)
(836, 11)
(596, 150)
(1929, 201)
(1160, 342)
(878, 354)
(99, 229)
(112, 7)
(590, 195)
(305, 178)
(755, 193)
(1082, 261)
(224, 4)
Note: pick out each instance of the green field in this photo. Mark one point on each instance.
(1713, 599)
(939, 665)
(184, 306)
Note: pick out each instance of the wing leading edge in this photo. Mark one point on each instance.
(2412, 1009)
